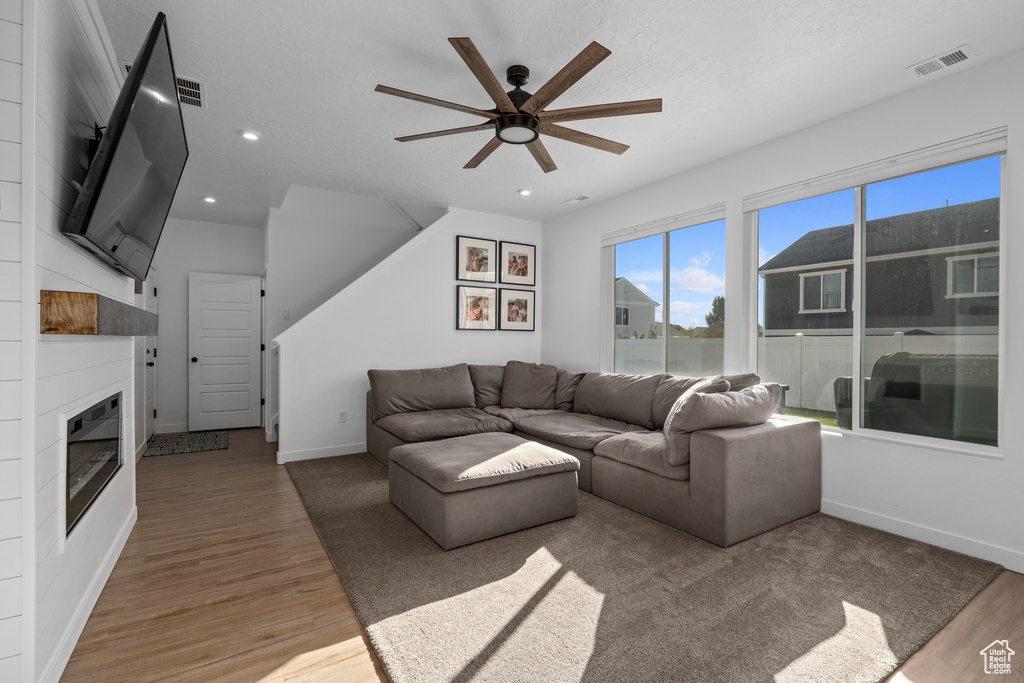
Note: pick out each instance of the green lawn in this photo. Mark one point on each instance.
(825, 417)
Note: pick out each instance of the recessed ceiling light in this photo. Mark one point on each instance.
(249, 135)
(525, 193)
(210, 200)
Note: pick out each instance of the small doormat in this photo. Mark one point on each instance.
(193, 442)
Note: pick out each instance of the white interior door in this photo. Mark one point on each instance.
(149, 299)
(224, 348)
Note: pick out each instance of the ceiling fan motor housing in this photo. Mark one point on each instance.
(517, 129)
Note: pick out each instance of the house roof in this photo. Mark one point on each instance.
(644, 299)
(947, 226)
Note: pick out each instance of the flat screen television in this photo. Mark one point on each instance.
(123, 204)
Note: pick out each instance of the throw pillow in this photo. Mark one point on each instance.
(677, 436)
(741, 382)
(529, 385)
(751, 406)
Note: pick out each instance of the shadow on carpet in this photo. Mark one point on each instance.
(192, 442)
(611, 595)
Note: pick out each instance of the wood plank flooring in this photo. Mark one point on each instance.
(224, 578)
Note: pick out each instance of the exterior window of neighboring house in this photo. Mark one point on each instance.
(684, 268)
(974, 275)
(822, 292)
(918, 353)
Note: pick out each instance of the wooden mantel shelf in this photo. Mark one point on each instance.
(93, 314)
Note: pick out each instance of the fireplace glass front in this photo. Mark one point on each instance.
(93, 454)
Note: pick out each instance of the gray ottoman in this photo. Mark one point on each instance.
(476, 487)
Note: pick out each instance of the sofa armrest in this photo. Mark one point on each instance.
(747, 480)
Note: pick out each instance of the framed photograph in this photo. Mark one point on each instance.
(518, 264)
(475, 259)
(517, 310)
(476, 308)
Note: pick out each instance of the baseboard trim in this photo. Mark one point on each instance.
(66, 645)
(1008, 557)
(140, 450)
(314, 453)
(171, 427)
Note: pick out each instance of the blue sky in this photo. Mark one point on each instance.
(697, 254)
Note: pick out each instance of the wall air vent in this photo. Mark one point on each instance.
(190, 91)
(946, 59)
(577, 200)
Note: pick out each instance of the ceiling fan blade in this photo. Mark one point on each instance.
(436, 102)
(580, 66)
(598, 111)
(492, 145)
(471, 56)
(540, 153)
(570, 135)
(449, 131)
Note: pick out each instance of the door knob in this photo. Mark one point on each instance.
(194, 359)
(150, 364)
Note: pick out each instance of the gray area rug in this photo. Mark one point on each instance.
(611, 595)
(193, 442)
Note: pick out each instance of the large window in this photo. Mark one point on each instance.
(927, 275)
(686, 336)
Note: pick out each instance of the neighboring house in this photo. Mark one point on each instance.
(931, 271)
(634, 310)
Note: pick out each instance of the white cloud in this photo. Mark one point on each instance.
(689, 313)
(702, 260)
(649, 276)
(698, 280)
(644, 288)
(763, 256)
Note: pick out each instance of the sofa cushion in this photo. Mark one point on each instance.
(741, 382)
(408, 391)
(529, 385)
(471, 462)
(487, 381)
(751, 406)
(677, 436)
(646, 450)
(618, 397)
(565, 389)
(671, 388)
(574, 429)
(428, 425)
(514, 415)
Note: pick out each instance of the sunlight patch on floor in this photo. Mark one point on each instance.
(340, 661)
(860, 651)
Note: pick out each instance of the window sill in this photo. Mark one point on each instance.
(972, 295)
(925, 442)
(822, 310)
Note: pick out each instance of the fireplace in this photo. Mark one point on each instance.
(94, 455)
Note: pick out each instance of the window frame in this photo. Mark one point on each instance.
(821, 274)
(950, 260)
(624, 318)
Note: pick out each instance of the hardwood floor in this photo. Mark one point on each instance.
(224, 578)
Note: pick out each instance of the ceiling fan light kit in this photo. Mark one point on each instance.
(520, 117)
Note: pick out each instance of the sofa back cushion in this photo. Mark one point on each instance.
(750, 406)
(741, 382)
(529, 385)
(618, 397)
(487, 381)
(408, 391)
(672, 387)
(676, 433)
(565, 389)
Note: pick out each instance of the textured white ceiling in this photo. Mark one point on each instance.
(732, 73)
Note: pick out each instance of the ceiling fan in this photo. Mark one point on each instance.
(520, 117)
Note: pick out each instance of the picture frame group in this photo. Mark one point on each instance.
(484, 260)
(478, 307)
(490, 308)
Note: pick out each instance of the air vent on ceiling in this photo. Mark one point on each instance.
(577, 200)
(940, 62)
(190, 91)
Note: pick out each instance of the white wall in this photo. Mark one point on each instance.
(191, 246)
(401, 314)
(955, 500)
(320, 241)
(12, 462)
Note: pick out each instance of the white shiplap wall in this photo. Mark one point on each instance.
(72, 93)
(11, 541)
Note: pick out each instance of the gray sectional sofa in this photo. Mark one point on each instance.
(707, 456)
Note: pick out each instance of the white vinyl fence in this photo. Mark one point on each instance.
(809, 365)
